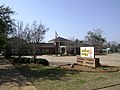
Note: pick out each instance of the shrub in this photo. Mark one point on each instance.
(28, 60)
(22, 60)
(15, 60)
(42, 61)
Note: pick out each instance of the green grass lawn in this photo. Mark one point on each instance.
(53, 78)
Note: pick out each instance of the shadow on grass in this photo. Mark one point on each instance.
(45, 72)
(9, 76)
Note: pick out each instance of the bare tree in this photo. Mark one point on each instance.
(114, 46)
(35, 36)
(28, 37)
(95, 38)
(17, 41)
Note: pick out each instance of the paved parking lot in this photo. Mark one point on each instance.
(110, 59)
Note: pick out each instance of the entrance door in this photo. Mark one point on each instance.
(63, 50)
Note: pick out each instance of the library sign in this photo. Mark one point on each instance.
(87, 52)
(87, 57)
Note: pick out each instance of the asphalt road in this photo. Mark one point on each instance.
(110, 59)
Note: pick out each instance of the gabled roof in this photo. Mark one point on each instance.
(60, 39)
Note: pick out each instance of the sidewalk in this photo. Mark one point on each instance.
(11, 79)
(113, 87)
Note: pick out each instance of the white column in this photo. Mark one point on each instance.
(59, 47)
(65, 50)
(74, 50)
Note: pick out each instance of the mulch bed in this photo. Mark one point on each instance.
(102, 69)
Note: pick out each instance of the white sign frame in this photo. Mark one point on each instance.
(87, 52)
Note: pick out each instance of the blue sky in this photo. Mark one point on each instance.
(70, 18)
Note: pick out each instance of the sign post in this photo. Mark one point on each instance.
(87, 57)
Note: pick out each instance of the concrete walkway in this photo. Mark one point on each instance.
(11, 79)
(117, 87)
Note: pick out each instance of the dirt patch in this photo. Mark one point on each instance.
(90, 69)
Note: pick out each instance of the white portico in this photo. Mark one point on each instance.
(62, 45)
